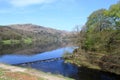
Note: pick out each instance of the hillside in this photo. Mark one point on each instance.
(37, 29)
(28, 35)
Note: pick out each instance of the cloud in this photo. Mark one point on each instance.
(23, 6)
(24, 3)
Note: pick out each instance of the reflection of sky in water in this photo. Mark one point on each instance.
(13, 59)
(58, 67)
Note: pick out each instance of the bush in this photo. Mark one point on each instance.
(67, 55)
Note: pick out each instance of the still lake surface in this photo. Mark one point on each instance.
(58, 67)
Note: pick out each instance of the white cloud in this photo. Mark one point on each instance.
(24, 3)
(21, 6)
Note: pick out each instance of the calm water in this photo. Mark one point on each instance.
(58, 67)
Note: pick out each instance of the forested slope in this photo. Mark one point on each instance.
(99, 41)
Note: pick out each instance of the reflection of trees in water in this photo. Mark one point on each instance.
(5, 49)
(68, 68)
(28, 49)
(91, 74)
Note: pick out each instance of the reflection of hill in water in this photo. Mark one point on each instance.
(30, 39)
(28, 49)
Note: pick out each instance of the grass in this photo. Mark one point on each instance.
(7, 75)
(1, 72)
(3, 76)
(16, 41)
(27, 40)
(81, 60)
(6, 42)
(27, 74)
(9, 42)
(66, 54)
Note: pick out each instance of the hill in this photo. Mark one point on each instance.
(29, 35)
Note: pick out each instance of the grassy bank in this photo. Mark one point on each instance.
(94, 61)
(7, 75)
(8, 72)
(81, 61)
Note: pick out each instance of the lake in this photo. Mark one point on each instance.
(57, 66)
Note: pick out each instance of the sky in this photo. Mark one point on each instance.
(58, 14)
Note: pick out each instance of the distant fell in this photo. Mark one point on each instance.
(36, 38)
(37, 28)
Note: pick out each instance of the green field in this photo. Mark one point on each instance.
(9, 42)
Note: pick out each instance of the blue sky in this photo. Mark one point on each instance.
(58, 14)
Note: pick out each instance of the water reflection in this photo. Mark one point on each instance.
(69, 70)
(28, 49)
(16, 59)
(58, 67)
(90, 74)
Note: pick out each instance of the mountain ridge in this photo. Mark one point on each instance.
(32, 25)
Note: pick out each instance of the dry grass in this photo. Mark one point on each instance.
(8, 75)
(8, 72)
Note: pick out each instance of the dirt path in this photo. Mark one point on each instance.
(46, 76)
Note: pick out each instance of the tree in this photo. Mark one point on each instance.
(113, 15)
(100, 28)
